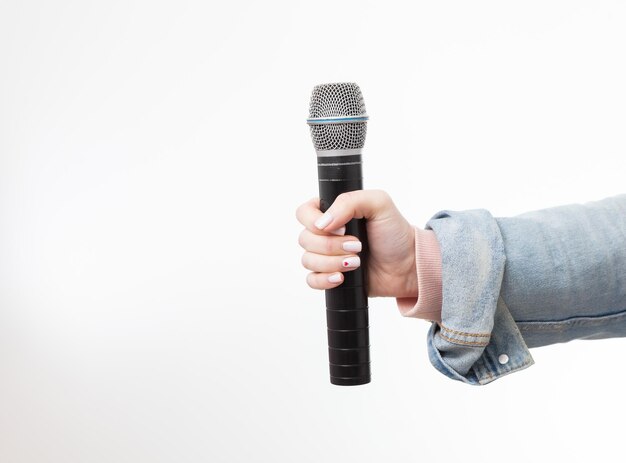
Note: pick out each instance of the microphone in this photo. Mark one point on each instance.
(338, 124)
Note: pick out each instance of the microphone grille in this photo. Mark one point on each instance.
(337, 100)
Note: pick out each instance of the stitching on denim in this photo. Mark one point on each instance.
(588, 320)
(465, 343)
(463, 333)
(510, 370)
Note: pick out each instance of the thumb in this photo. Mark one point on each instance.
(358, 204)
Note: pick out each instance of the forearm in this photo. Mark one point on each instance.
(427, 302)
(508, 284)
(565, 272)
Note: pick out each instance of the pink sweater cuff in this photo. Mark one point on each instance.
(427, 303)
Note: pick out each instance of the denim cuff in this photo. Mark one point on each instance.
(477, 340)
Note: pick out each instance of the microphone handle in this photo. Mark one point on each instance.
(346, 305)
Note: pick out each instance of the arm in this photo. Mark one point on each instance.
(492, 286)
(539, 278)
(565, 276)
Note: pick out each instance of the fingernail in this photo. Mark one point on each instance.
(351, 262)
(323, 221)
(334, 278)
(340, 231)
(352, 246)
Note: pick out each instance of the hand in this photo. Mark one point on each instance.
(391, 261)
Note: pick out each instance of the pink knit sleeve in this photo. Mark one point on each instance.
(427, 303)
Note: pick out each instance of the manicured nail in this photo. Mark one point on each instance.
(340, 231)
(351, 262)
(352, 246)
(334, 278)
(323, 221)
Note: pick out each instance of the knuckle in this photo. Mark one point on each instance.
(346, 197)
(299, 214)
(329, 247)
(305, 260)
(381, 200)
(310, 280)
(382, 196)
(302, 210)
(302, 239)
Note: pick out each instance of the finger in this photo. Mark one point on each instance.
(329, 264)
(309, 212)
(324, 280)
(329, 245)
(369, 204)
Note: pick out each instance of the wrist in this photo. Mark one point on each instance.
(426, 301)
(410, 288)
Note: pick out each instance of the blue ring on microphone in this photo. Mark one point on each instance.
(336, 120)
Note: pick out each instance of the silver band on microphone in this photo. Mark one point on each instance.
(329, 153)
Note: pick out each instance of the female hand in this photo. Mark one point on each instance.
(328, 253)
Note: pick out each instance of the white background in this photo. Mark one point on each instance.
(152, 156)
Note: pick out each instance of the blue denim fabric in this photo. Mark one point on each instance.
(510, 284)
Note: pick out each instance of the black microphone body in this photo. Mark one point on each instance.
(346, 305)
(337, 120)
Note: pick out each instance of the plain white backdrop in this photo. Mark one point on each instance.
(152, 156)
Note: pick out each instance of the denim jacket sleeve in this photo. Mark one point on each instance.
(510, 284)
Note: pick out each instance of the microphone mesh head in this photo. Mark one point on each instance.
(337, 100)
